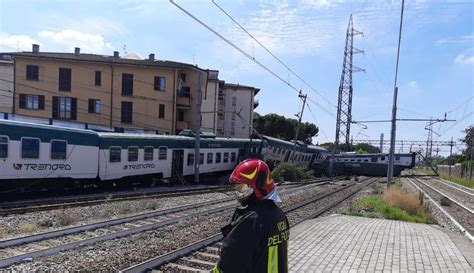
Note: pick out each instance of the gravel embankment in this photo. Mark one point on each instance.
(120, 253)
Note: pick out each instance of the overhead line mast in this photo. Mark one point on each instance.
(344, 103)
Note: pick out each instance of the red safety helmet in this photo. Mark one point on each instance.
(256, 174)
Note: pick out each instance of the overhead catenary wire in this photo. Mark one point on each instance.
(272, 54)
(236, 47)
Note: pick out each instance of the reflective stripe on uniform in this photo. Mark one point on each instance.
(216, 269)
(272, 266)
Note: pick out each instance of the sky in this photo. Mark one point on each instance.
(436, 67)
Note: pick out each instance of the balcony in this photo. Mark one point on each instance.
(180, 125)
(184, 98)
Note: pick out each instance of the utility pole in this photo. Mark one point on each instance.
(344, 104)
(381, 143)
(197, 138)
(393, 134)
(450, 158)
(300, 116)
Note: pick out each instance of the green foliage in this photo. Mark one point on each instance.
(445, 201)
(288, 172)
(361, 151)
(363, 147)
(284, 128)
(468, 140)
(371, 206)
(461, 181)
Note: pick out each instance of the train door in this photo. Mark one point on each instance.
(177, 164)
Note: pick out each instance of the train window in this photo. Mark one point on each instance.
(30, 147)
(201, 159)
(218, 157)
(132, 153)
(148, 153)
(373, 159)
(3, 146)
(359, 160)
(366, 160)
(58, 149)
(232, 157)
(115, 154)
(383, 158)
(352, 160)
(226, 157)
(190, 159)
(397, 158)
(210, 158)
(162, 153)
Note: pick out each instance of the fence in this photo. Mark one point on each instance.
(463, 170)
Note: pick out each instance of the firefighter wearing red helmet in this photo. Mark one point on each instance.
(256, 240)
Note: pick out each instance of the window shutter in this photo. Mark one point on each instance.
(91, 106)
(41, 102)
(55, 107)
(73, 108)
(22, 101)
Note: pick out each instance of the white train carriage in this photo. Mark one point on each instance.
(34, 151)
(125, 155)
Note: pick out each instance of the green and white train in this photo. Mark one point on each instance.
(35, 154)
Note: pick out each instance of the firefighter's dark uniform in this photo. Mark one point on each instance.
(256, 240)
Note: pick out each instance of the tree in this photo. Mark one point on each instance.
(468, 140)
(284, 128)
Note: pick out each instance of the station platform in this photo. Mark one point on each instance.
(340, 243)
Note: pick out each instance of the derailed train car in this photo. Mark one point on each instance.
(371, 164)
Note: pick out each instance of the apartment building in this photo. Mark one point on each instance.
(124, 94)
(6, 84)
(235, 107)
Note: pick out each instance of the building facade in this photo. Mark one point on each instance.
(6, 84)
(106, 92)
(235, 110)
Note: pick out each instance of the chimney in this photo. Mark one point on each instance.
(116, 54)
(36, 48)
(77, 51)
(151, 57)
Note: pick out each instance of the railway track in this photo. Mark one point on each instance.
(203, 254)
(49, 243)
(19, 207)
(458, 202)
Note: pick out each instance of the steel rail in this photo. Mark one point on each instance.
(456, 223)
(30, 206)
(456, 186)
(447, 196)
(50, 251)
(53, 250)
(186, 250)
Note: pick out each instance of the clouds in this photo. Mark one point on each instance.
(464, 59)
(16, 42)
(68, 39)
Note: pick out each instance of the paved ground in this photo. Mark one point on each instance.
(358, 244)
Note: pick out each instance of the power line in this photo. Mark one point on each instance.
(316, 121)
(236, 47)
(273, 55)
